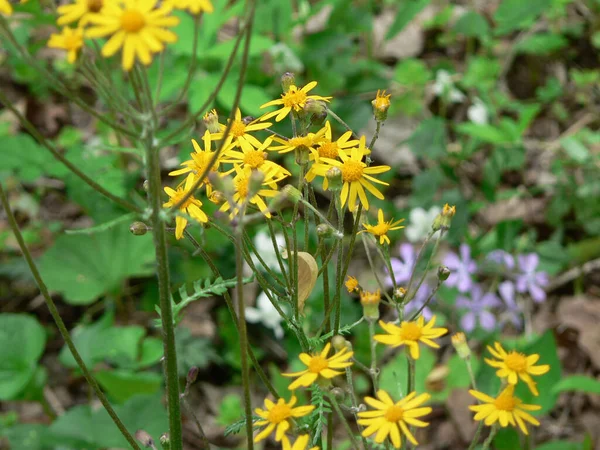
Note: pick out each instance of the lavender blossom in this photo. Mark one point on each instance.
(513, 312)
(462, 267)
(418, 301)
(403, 266)
(502, 258)
(528, 280)
(478, 305)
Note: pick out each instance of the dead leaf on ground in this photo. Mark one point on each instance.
(583, 314)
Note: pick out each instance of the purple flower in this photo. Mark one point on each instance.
(478, 306)
(403, 266)
(513, 312)
(462, 267)
(502, 258)
(417, 302)
(528, 280)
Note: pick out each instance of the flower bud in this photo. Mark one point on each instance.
(165, 441)
(399, 294)
(146, 185)
(443, 219)
(145, 439)
(338, 342)
(459, 342)
(288, 193)
(217, 197)
(192, 375)
(352, 285)
(370, 303)
(211, 121)
(315, 107)
(318, 119)
(221, 183)
(443, 273)
(381, 104)
(287, 79)
(138, 228)
(334, 179)
(302, 154)
(326, 231)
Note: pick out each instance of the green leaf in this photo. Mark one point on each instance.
(507, 439)
(482, 73)
(22, 341)
(577, 383)
(576, 150)
(487, 133)
(393, 377)
(21, 155)
(429, 139)
(28, 436)
(121, 385)
(472, 24)
(412, 72)
(103, 226)
(517, 14)
(83, 268)
(561, 445)
(85, 338)
(542, 44)
(407, 12)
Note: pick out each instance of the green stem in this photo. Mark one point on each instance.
(59, 322)
(411, 375)
(354, 403)
(344, 124)
(476, 436)
(345, 423)
(488, 442)
(375, 136)
(337, 298)
(373, 345)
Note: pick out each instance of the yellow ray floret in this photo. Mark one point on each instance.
(68, 39)
(239, 133)
(191, 207)
(505, 409)
(193, 6)
(309, 142)
(514, 365)
(256, 158)
(5, 8)
(410, 334)
(300, 444)
(329, 148)
(292, 100)
(392, 419)
(80, 10)
(276, 417)
(320, 366)
(382, 228)
(136, 26)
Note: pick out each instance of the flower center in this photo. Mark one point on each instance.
(238, 128)
(241, 186)
(317, 363)
(380, 229)
(394, 414)
(299, 141)
(95, 6)
(255, 159)
(352, 170)
(294, 98)
(505, 402)
(410, 331)
(328, 150)
(516, 361)
(73, 42)
(132, 21)
(279, 413)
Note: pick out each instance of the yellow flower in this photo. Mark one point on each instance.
(310, 141)
(300, 443)
(80, 11)
(137, 26)
(320, 365)
(239, 133)
(329, 148)
(381, 104)
(241, 184)
(393, 419)
(193, 6)
(370, 298)
(514, 365)
(449, 211)
(5, 8)
(459, 342)
(410, 334)
(381, 229)
(256, 159)
(356, 176)
(191, 206)
(69, 39)
(211, 120)
(276, 417)
(352, 285)
(506, 409)
(293, 99)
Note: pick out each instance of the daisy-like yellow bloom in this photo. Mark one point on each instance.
(137, 26)
(277, 417)
(241, 184)
(310, 141)
(70, 39)
(191, 206)
(514, 365)
(410, 334)
(239, 133)
(352, 284)
(193, 6)
(382, 228)
(320, 365)
(393, 418)
(256, 159)
(300, 444)
(356, 176)
(293, 99)
(329, 148)
(80, 10)
(5, 8)
(505, 409)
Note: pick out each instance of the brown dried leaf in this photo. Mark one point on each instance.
(583, 314)
(307, 276)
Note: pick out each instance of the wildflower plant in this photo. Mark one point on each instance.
(240, 176)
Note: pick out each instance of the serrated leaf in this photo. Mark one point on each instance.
(83, 268)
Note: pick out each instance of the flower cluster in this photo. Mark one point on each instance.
(140, 28)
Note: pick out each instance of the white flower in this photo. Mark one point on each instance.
(266, 314)
(420, 223)
(477, 112)
(444, 87)
(264, 247)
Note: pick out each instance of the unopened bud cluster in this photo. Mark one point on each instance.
(444, 219)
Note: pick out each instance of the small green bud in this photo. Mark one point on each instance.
(370, 303)
(315, 107)
(443, 219)
(287, 79)
(318, 119)
(138, 228)
(221, 183)
(399, 294)
(211, 121)
(443, 273)
(165, 441)
(302, 154)
(334, 179)
(338, 342)
(381, 104)
(459, 342)
(325, 231)
(255, 182)
(146, 185)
